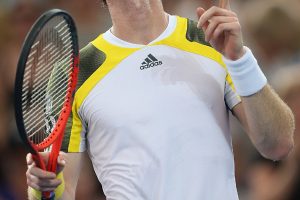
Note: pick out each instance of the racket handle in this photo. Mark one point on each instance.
(38, 160)
(48, 196)
(52, 162)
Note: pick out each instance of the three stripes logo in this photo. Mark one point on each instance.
(150, 61)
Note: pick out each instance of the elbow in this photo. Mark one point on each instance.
(279, 144)
(279, 150)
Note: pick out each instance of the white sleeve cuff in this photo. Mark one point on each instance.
(246, 75)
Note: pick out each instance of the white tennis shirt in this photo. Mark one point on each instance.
(154, 118)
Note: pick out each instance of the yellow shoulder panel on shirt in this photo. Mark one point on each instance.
(114, 55)
(179, 40)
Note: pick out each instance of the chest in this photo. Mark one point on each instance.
(152, 84)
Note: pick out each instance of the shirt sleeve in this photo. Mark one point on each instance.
(230, 95)
(75, 138)
(75, 134)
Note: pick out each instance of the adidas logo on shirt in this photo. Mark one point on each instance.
(150, 61)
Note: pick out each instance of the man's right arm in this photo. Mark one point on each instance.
(38, 180)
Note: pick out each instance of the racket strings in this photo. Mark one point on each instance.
(47, 78)
(39, 77)
(42, 83)
(29, 117)
(55, 98)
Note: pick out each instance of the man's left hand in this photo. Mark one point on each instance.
(222, 29)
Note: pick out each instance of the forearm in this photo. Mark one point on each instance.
(69, 194)
(267, 119)
(270, 123)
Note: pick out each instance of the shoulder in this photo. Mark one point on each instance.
(189, 38)
(187, 34)
(194, 34)
(90, 59)
(90, 56)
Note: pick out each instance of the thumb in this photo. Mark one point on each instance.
(61, 162)
(200, 12)
(45, 156)
(29, 159)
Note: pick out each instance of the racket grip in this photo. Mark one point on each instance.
(48, 196)
(37, 158)
(52, 162)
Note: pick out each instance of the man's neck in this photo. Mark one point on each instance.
(137, 21)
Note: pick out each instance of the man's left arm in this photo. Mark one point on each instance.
(268, 122)
(266, 118)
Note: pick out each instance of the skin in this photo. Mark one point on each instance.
(266, 119)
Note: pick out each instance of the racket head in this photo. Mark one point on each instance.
(33, 78)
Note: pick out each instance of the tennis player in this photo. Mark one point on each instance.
(151, 107)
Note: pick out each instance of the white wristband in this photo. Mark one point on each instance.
(246, 75)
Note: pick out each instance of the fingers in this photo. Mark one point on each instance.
(215, 20)
(233, 27)
(219, 24)
(42, 180)
(42, 184)
(42, 174)
(200, 11)
(214, 11)
(222, 29)
(29, 159)
(61, 162)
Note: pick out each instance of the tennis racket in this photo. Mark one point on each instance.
(45, 84)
